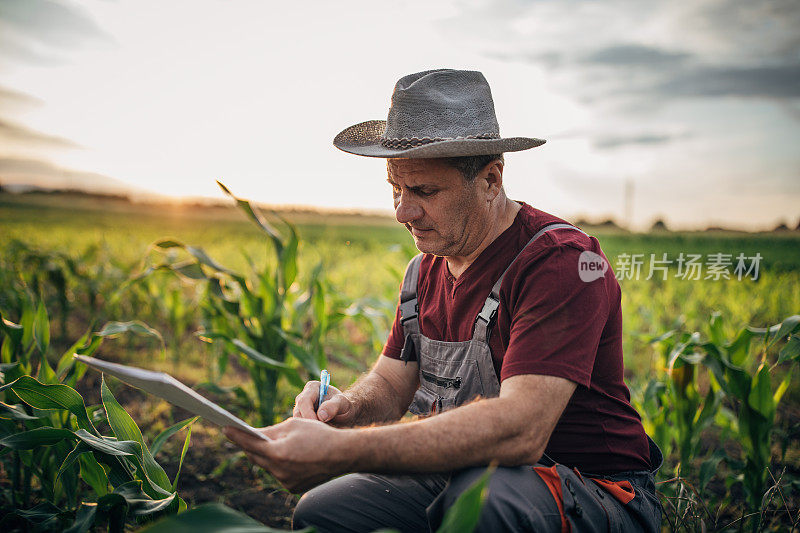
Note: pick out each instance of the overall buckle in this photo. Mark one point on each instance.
(489, 311)
(408, 310)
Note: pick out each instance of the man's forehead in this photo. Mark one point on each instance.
(419, 170)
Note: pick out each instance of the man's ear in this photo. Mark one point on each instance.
(492, 175)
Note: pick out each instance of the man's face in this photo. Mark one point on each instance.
(444, 213)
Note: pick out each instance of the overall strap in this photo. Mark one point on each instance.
(485, 319)
(409, 310)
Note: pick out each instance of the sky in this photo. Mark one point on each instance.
(692, 106)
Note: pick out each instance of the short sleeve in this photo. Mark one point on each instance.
(556, 319)
(394, 344)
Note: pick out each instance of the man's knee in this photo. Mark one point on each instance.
(366, 502)
(309, 511)
(517, 500)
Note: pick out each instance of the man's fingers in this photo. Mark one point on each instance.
(245, 441)
(306, 410)
(335, 407)
(304, 403)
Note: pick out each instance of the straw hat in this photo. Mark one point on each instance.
(436, 113)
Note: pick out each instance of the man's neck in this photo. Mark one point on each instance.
(505, 214)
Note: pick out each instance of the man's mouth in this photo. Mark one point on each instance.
(417, 231)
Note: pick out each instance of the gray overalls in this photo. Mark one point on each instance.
(452, 373)
(546, 497)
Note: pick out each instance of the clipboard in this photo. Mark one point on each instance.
(171, 390)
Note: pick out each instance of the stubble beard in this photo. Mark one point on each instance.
(447, 248)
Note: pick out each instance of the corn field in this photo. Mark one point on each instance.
(246, 306)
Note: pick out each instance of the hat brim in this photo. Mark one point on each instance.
(364, 139)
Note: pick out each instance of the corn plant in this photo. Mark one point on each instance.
(266, 320)
(743, 370)
(64, 282)
(54, 444)
(678, 406)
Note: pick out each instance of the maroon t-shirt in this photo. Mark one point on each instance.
(550, 322)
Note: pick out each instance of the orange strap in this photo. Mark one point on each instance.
(621, 490)
(553, 482)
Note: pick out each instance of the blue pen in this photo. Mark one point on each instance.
(324, 381)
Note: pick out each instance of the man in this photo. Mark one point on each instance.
(496, 334)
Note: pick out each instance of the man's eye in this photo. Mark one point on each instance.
(426, 193)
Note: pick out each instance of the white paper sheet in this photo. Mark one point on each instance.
(170, 389)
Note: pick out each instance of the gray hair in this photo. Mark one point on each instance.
(471, 166)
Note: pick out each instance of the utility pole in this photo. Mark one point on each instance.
(628, 204)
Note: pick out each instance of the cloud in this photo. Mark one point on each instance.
(646, 52)
(774, 82)
(42, 32)
(45, 174)
(24, 50)
(10, 132)
(12, 97)
(618, 141)
(635, 55)
(50, 22)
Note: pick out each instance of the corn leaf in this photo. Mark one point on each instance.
(84, 519)
(58, 396)
(108, 445)
(791, 350)
(211, 518)
(183, 455)
(71, 458)
(715, 329)
(303, 356)
(7, 350)
(190, 269)
(760, 398)
(126, 429)
(778, 396)
(739, 349)
(93, 474)
(26, 321)
(14, 331)
(288, 258)
(135, 326)
(28, 440)
(787, 327)
(258, 357)
(41, 329)
(139, 503)
(464, 514)
(263, 360)
(66, 362)
(248, 210)
(162, 437)
(44, 515)
(203, 258)
(46, 373)
(15, 412)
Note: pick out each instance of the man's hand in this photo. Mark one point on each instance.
(301, 455)
(512, 429)
(337, 410)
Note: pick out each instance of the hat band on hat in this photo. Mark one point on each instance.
(401, 143)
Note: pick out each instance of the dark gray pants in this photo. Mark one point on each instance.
(518, 500)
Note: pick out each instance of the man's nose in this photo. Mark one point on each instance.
(406, 209)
